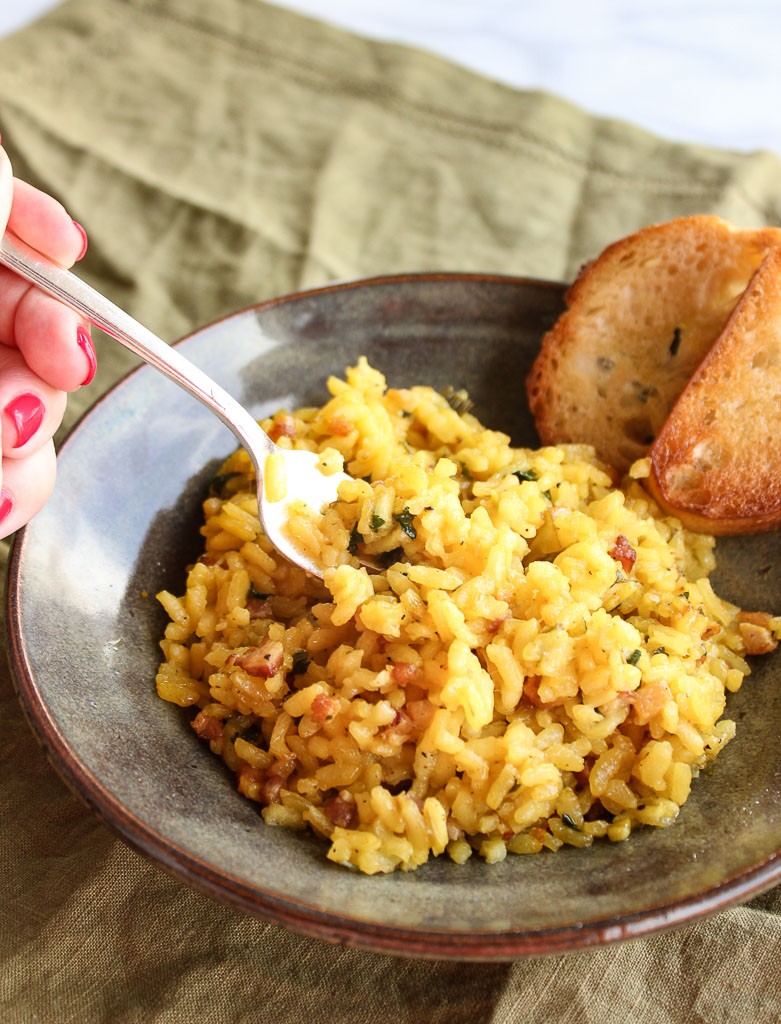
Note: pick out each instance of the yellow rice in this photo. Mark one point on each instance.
(543, 661)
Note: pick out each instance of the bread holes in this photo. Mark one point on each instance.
(688, 483)
(765, 359)
(708, 455)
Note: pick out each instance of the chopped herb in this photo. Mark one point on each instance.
(387, 558)
(659, 650)
(458, 400)
(634, 657)
(300, 663)
(549, 496)
(253, 734)
(256, 594)
(356, 539)
(568, 821)
(219, 482)
(377, 522)
(404, 519)
(675, 344)
(465, 472)
(525, 474)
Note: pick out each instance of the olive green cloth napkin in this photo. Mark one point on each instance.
(220, 152)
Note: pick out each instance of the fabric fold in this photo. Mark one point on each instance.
(221, 152)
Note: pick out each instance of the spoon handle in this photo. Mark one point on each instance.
(70, 289)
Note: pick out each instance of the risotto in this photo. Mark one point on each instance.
(540, 662)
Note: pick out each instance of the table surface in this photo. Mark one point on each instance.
(703, 71)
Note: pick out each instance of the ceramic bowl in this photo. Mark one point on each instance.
(83, 628)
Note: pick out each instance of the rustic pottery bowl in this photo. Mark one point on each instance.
(84, 627)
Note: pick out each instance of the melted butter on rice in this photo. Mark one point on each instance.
(543, 661)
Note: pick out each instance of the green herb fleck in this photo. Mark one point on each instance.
(659, 650)
(387, 558)
(404, 519)
(300, 663)
(549, 496)
(356, 539)
(568, 821)
(219, 483)
(377, 522)
(634, 657)
(525, 474)
(256, 594)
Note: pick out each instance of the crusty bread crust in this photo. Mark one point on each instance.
(716, 462)
(640, 319)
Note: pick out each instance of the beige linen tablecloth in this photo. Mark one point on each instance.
(220, 152)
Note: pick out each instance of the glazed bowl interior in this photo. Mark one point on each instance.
(84, 629)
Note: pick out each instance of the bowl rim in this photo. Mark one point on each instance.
(227, 889)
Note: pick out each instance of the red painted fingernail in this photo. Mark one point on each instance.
(84, 240)
(27, 412)
(6, 504)
(84, 342)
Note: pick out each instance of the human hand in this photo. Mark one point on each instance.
(45, 351)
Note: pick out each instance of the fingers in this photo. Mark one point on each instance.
(46, 225)
(51, 337)
(27, 485)
(30, 410)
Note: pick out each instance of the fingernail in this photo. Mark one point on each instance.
(84, 342)
(6, 505)
(26, 411)
(84, 240)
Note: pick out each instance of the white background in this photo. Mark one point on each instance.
(704, 71)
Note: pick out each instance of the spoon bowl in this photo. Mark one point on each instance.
(303, 480)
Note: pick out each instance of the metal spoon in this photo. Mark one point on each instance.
(304, 480)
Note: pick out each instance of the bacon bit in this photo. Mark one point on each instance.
(276, 776)
(531, 688)
(420, 712)
(265, 660)
(623, 553)
(341, 810)
(340, 426)
(404, 672)
(402, 724)
(754, 627)
(208, 560)
(756, 618)
(583, 775)
(382, 643)
(710, 631)
(207, 726)
(648, 701)
(259, 608)
(324, 708)
(249, 781)
(283, 426)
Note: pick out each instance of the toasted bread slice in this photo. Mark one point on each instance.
(716, 463)
(640, 319)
